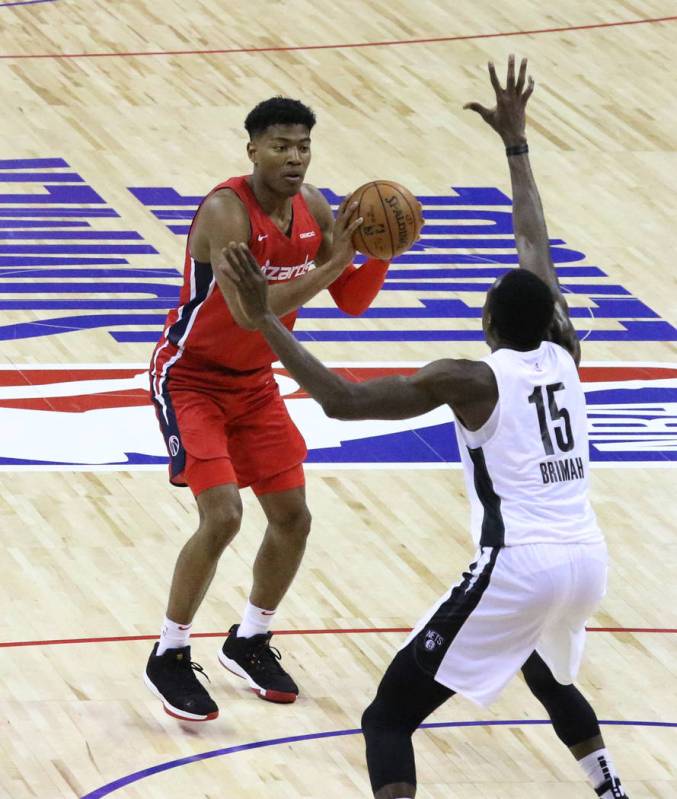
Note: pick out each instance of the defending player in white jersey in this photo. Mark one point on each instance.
(540, 568)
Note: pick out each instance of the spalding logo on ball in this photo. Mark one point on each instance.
(392, 219)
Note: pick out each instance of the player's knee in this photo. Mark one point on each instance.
(219, 527)
(380, 717)
(293, 522)
(540, 679)
(372, 720)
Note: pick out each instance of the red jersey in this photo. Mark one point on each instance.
(202, 327)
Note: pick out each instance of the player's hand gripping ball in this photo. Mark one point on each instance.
(392, 219)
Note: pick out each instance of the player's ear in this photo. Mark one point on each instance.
(486, 316)
(251, 152)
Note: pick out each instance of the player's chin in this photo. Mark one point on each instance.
(290, 184)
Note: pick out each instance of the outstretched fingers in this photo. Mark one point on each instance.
(510, 85)
(494, 78)
(240, 261)
(352, 227)
(250, 271)
(346, 209)
(478, 109)
(519, 86)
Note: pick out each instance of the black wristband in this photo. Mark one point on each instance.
(518, 149)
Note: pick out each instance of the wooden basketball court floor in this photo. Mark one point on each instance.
(146, 95)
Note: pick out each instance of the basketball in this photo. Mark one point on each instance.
(392, 219)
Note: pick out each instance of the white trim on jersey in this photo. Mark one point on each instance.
(160, 379)
(193, 316)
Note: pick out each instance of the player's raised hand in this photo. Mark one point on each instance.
(249, 281)
(508, 117)
(343, 250)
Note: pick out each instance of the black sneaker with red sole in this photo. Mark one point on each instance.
(171, 677)
(256, 661)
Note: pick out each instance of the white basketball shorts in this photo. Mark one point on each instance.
(510, 602)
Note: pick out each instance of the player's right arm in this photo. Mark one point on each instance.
(468, 387)
(221, 220)
(508, 119)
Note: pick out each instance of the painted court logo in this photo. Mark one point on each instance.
(91, 417)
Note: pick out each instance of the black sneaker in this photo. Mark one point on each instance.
(259, 663)
(171, 677)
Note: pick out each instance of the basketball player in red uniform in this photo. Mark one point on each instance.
(218, 404)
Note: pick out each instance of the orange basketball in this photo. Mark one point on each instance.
(392, 219)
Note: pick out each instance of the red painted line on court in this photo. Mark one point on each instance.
(347, 46)
(326, 631)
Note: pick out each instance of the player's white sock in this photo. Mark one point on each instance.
(255, 621)
(173, 636)
(599, 769)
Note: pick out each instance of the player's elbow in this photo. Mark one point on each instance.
(354, 307)
(332, 408)
(340, 404)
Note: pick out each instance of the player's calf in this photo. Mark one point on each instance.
(390, 753)
(576, 725)
(406, 696)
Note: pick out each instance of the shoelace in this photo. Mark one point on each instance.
(268, 656)
(198, 668)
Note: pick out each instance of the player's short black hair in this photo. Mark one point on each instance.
(521, 307)
(278, 111)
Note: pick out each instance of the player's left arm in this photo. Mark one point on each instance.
(355, 288)
(467, 386)
(508, 119)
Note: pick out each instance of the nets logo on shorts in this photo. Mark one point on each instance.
(433, 640)
(91, 417)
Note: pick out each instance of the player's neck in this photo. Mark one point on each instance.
(504, 344)
(273, 204)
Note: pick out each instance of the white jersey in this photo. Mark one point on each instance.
(526, 469)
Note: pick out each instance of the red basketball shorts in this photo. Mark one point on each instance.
(227, 428)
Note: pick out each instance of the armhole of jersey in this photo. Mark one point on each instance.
(309, 212)
(482, 436)
(569, 356)
(204, 199)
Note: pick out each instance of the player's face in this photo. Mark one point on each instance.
(281, 155)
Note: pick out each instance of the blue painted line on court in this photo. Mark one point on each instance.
(137, 776)
(32, 163)
(25, 3)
